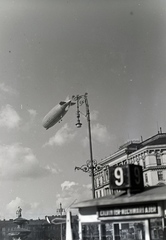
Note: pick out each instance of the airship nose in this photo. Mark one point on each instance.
(44, 122)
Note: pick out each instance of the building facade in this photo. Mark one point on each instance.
(150, 154)
(41, 229)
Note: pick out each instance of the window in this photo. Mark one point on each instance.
(107, 175)
(96, 194)
(106, 191)
(144, 164)
(160, 175)
(146, 177)
(97, 182)
(100, 181)
(90, 231)
(158, 158)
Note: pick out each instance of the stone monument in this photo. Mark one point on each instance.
(20, 232)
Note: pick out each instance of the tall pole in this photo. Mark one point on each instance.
(91, 165)
(90, 143)
(79, 124)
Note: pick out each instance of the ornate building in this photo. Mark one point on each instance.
(150, 154)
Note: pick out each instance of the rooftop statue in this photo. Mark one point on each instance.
(18, 212)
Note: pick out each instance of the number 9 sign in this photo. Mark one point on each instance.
(126, 176)
(119, 176)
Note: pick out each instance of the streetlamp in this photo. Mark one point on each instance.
(91, 165)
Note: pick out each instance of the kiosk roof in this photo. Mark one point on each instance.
(150, 194)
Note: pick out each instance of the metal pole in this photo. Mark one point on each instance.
(90, 143)
(61, 232)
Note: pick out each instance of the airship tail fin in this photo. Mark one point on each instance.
(72, 103)
(62, 103)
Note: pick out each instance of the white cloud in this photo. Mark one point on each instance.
(32, 113)
(94, 115)
(28, 209)
(26, 126)
(18, 162)
(53, 169)
(100, 133)
(73, 192)
(9, 117)
(85, 142)
(63, 136)
(6, 89)
(67, 184)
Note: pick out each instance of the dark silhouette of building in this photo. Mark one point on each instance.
(40, 229)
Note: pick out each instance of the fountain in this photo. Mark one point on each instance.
(20, 232)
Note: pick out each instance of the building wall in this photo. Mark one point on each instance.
(40, 229)
(152, 158)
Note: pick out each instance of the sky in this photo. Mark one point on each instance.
(114, 50)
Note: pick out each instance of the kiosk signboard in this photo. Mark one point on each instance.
(128, 211)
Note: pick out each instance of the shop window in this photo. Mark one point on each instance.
(90, 231)
(123, 231)
(156, 229)
(107, 231)
(160, 175)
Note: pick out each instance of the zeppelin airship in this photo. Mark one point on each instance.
(56, 114)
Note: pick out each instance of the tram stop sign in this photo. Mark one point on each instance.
(128, 176)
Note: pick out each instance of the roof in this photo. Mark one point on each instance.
(157, 139)
(150, 194)
(133, 146)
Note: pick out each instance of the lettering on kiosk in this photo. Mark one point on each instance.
(135, 210)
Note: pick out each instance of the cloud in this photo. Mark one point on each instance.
(64, 135)
(6, 89)
(32, 113)
(26, 126)
(73, 192)
(9, 117)
(66, 185)
(94, 115)
(100, 133)
(53, 169)
(28, 209)
(18, 162)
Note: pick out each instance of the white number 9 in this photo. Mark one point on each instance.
(118, 173)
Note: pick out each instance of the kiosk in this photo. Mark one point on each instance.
(131, 213)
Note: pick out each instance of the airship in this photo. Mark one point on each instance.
(56, 114)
